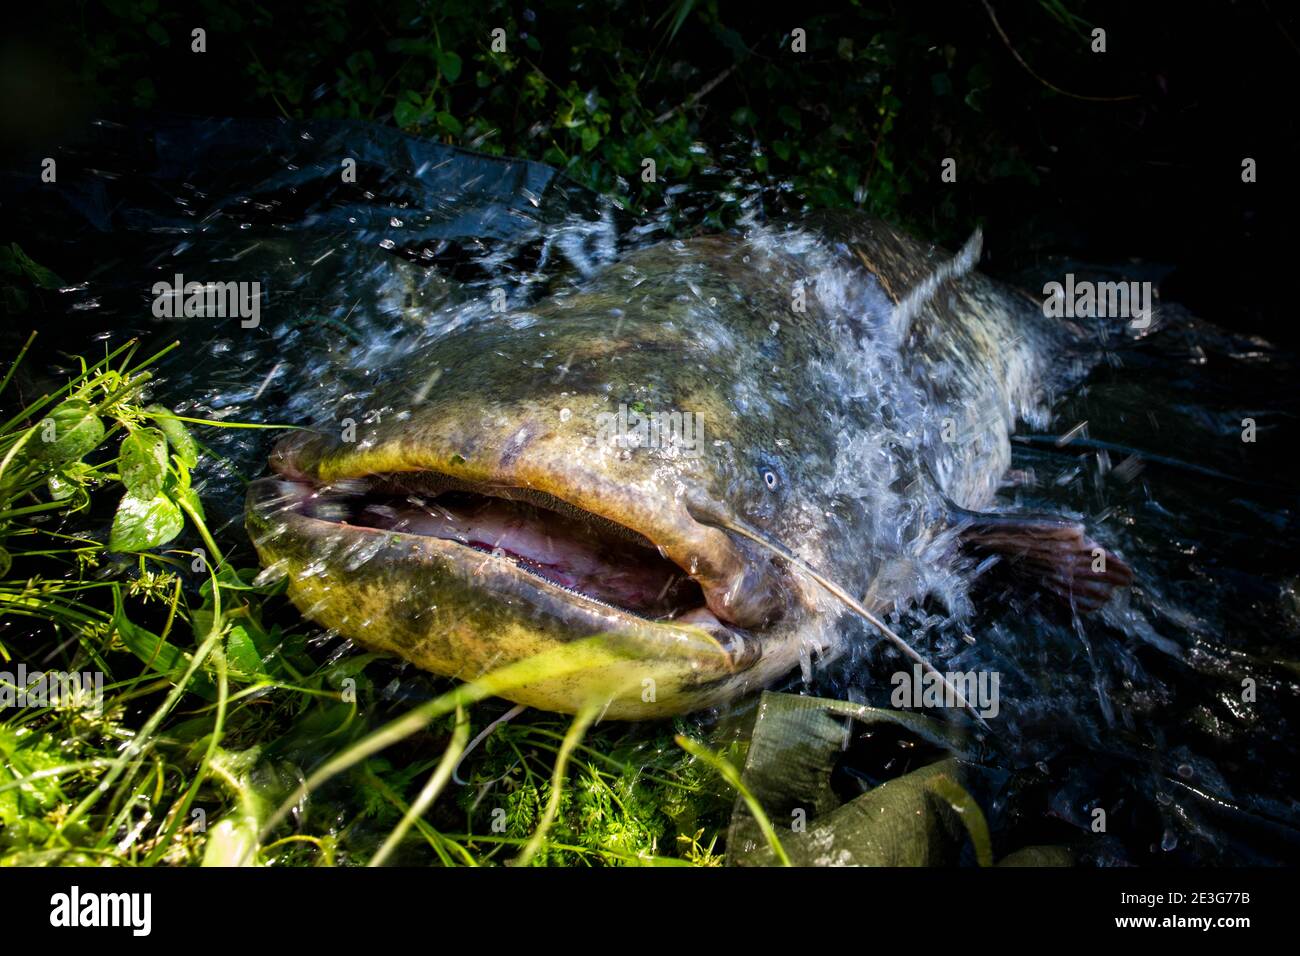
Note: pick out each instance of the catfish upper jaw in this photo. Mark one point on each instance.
(738, 586)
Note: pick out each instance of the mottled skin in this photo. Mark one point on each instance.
(822, 429)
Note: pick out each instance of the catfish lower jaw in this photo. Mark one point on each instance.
(586, 555)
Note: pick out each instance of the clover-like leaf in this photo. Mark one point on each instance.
(142, 523)
(449, 64)
(67, 433)
(142, 462)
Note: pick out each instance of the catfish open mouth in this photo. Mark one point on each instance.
(584, 553)
(461, 575)
(553, 519)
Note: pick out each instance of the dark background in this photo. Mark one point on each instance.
(1134, 153)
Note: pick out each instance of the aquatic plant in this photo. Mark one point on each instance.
(213, 702)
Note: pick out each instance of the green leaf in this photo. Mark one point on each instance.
(449, 64)
(242, 653)
(70, 431)
(450, 124)
(142, 523)
(253, 652)
(409, 111)
(143, 462)
(178, 436)
(6, 562)
(60, 488)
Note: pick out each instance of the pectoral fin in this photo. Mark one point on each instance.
(1053, 552)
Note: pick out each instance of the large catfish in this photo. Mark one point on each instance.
(708, 453)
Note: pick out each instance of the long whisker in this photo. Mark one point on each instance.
(855, 605)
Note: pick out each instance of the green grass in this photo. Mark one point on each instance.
(230, 731)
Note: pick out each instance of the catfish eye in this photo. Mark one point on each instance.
(770, 479)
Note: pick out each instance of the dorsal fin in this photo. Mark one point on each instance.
(963, 262)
